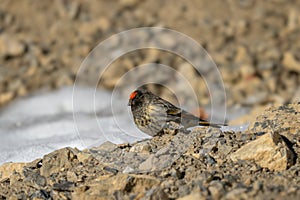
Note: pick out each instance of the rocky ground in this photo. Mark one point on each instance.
(255, 45)
(260, 163)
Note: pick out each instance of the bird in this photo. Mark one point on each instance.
(151, 113)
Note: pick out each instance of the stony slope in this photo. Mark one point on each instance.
(261, 163)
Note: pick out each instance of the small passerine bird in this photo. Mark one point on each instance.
(151, 113)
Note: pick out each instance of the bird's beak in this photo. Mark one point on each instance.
(129, 102)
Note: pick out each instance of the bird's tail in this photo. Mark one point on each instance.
(206, 123)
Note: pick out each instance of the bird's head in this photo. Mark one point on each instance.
(135, 97)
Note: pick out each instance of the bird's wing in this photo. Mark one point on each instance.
(173, 112)
(176, 114)
(171, 109)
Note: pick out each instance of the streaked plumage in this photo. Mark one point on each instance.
(151, 113)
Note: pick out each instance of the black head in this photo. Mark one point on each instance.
(135, 97)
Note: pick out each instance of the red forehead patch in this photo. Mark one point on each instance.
(133, 95)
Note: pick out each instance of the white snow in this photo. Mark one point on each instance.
(235, 128)
(34, 126)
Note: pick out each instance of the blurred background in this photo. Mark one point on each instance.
(255, 44)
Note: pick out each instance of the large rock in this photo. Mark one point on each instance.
(192, 196)
(58, 160)
(107, 186)
(284, 119)
(5, 97)
(290, 62)
(7, 169)
(268, 151)
(10, 46)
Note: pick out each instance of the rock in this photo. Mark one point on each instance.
(282, 119)
(87, 29)
(63, 186)
(242, 27)
(128, 170)
(5, 97)
(107, 147)
(156, 193)
(247, 70)
(239, 193)
(40, 194)
(10, 46)
(290, 62)
(268, 151)
(161, 159)
(245, 95)
(142, 147)
(14, 85)
(293, 20)
(166, 41)
(7, 169)
(62, 79)
(242, 55)
(171, 171)
(216, 189)
(21, 91)
(117, 158)
(121, 182)
(271, 82)
(71, 176)
(192, 196)
(296, 97)
(151, 56)
(57, 161)
(224, 149)
(34, 177)
(83, 156)
(68, 9)
(148, 164)
(128, 3)
(103, 23)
